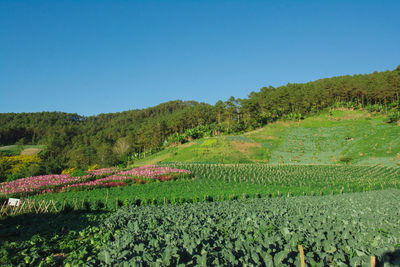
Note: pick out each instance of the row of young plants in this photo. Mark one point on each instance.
(340, 230)
(217, 182)
(173, 192)
(316, 177)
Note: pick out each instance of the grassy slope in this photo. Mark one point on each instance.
(24, 150)
(323, 139)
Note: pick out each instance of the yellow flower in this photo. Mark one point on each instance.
(68, 171)
(19, 161)
(93, 167)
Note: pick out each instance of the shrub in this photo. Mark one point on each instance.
(345, 159)
(394, 116)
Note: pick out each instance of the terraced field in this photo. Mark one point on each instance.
(338, 137)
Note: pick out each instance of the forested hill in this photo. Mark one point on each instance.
(173, 116)
(76, 141)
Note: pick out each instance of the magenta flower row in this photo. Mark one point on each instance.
(30, 184)
(41, 183)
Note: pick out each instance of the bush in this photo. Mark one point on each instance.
(5, 167)
(394, 116)
(345, 159)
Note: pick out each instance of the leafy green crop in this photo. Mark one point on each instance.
(52, 239)
(334, 230)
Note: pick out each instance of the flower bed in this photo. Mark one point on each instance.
(95, 178)
(31, 184)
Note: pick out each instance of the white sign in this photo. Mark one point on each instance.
(13, 202)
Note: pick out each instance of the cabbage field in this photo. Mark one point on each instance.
(334, 230)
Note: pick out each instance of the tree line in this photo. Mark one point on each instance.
(73, 140)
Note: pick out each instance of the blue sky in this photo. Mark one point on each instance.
(92, 57)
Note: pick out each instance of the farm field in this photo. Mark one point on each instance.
(359, 137)
(330, 183)
(215, 214)
(334, 230)
(217, 182)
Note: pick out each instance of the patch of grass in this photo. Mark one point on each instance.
(16, 149)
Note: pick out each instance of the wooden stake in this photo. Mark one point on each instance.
(37, 209)
(21, 207)
(3, 208)
(29, 208)
(46, 206)
(54, 206)
(303, 263)
(373, 261)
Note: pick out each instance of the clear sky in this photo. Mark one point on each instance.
(92, 57)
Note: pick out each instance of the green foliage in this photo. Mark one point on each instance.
(394, 116)
(5, 167)
(334, 230)
(52, 239)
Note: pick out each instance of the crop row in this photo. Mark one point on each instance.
(354, 178)
(213, 183)
(334, 230)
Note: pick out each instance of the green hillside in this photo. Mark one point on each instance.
(23, 149)
(335, 137)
